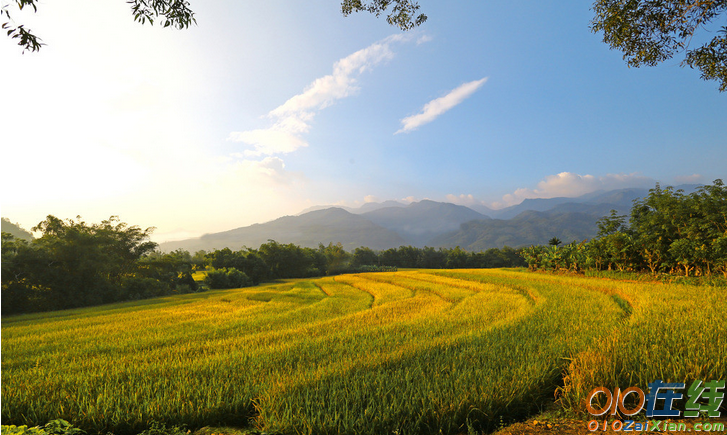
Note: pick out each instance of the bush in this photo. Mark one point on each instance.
(53, 427)
(227, 278)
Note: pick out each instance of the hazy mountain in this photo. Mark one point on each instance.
(391, 224)
(369, 206)
(307, 230)
(537, 204)
(372, 206)
(483, 209)
(527, 228)
(15, 230)
(420, 222)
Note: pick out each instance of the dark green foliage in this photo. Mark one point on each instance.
(668, 232)
(174, 13)
(75, 264)
(456, 258)
(292, 261)
(247, 261)
(364, 256)
(62, 427)
(403, 15)
(162, 429)
(227, 278)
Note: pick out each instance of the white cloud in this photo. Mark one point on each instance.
(689, 179)
(293, 118)
(423, 39)
(268, 141)
(370, 198)
(433, 109)
(569, 184)
(462, 199)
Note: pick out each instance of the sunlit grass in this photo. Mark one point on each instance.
(416, 351)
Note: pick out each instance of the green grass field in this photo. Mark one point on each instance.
(409, 352)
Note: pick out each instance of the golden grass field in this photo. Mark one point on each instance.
(408, 352)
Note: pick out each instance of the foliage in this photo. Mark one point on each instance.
(75, 264)
(668, 232)
(227, 278)
(174, 13)
(420, 351)
(177, 13)
(158, 428)
(53, 427)
(649, 32)
(403, 15)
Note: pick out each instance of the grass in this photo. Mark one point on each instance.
(410, 352)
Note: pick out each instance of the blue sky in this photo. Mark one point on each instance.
(268, 107)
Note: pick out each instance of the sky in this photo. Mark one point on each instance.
(267, 107)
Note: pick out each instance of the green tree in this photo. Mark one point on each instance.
(76, 264)
(177, 13)
(169, 13)
(337, 259)
(649, 32)
(363, 256)
(404, 15)
(554, 241)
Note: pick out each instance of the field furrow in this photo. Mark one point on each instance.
(419, 352)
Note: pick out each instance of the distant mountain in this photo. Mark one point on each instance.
(307, 230)
(483, 209)
(369, 206)
(392, 224)
(527, 228)
(420, 222)
(15, 229)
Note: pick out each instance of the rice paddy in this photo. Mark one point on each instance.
(408, 352)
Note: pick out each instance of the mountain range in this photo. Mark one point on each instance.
(391, 224)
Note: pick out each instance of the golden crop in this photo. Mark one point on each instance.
(418, 351)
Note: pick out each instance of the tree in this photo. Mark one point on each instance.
(554, 241)
(403, 15)
(364, 256)
(171, 13)
(649, 32)
(74, 264)
(177, 13)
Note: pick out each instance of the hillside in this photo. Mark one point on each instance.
(527, 228)
(331, 225)
(420, 222)
(391, 224)
(15, 229)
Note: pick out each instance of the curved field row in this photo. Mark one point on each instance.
(423, 351)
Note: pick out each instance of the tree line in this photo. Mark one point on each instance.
(274, 260)
(668, 231)
(75, 264)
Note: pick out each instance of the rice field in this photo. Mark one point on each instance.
(408, 352)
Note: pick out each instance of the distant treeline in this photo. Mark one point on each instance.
(274, 260)
(667, 232)
(75, 264)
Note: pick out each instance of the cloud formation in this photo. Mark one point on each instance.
(292, 119)
(433, 109)
(569, 184)
(689, 179)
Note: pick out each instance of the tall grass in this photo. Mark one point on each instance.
(413, 352)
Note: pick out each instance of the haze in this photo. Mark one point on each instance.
(266, 108)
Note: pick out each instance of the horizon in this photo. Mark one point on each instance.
(263, 110)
